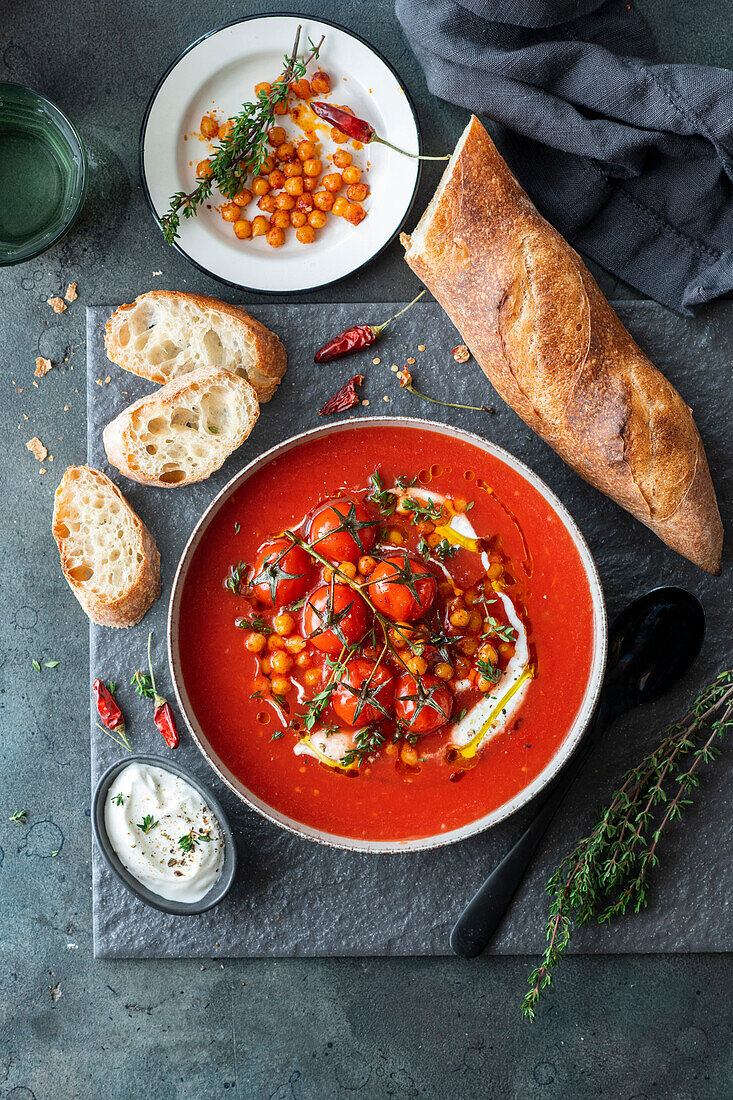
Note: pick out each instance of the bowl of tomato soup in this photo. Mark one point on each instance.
(386, 634)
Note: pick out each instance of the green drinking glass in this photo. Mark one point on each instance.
(42, 174)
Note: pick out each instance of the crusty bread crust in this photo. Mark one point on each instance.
(549, 342)
(106, 606)
(263, 362)
(185, 431)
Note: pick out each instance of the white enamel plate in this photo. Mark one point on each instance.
(218, 74)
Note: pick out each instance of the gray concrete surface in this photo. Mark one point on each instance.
(627, 1027)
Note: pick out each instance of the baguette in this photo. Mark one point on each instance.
(165, 334)
(185, 431)
(549, 342)
(108, 556)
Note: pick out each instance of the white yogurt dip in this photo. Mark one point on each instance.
(163, 833)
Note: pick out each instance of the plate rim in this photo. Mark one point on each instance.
(279, 15)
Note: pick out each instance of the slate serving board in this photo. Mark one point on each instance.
(296, 898)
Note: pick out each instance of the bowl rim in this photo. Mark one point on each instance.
(568, 745)
(22, 255)
(223, 27)
(224, 882)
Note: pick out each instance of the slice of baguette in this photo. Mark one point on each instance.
(165, 334)
(107, 553)
(185, 431)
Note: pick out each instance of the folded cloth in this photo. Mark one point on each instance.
(631, 159)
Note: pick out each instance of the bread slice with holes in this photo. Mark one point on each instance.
(185, 431)
(108, 556)
(165, 334)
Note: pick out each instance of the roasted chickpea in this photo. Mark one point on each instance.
(209, 127)
(283, 623)
(203, 169)
(348, 568)
(323, 200)
(312, 676)
(268, 164)
(267, 204)
(340, 206)
(276, 136)
(287, 150)
(260, 225)
(274, 641)
(408, 755)
(280, 108)
(352, 174)
(281, 685)
(306, 234)
(342, 159)
(281, 661)
(507, 649)
(355, 213)
(310, 183)
(332, 182)
(298, 218)
(304, 203)
(225, 129)
(317, 219)
(243, 229)
(357, 192)
(338, 136)
(366, 564)
(256, 643)
(294, 168)
(303, 660)
(260, 186)
(320, 82)
(312, 167)
(443, 670)
(306, 150)
(395, 536)
(474, 623)
(468, 645)
(417, 665)
(230, 212)
(483, 684)
(459, 618)
(263, 88)
(275, 236)
(266, 666)
(294, 187)
(280, 219)
(302, 88)
(285, 201)
(295, 644)
(488, 653)
(243, 197)
(276, 179)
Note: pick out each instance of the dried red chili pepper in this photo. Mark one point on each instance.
(109, 712)
(359, 129)
(346, 397)
(162, 713)
(356, 338)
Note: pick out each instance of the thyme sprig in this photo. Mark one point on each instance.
(607, 874)
(243, 150)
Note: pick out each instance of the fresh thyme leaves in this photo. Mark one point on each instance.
(36, 665)
(490, 672)
(297, 605)
(423, 549)
(187, 842)
(243, 150)
(50, 664)
(277, 735)
(118, 800)
(143, 684)
(19, 817)
(366, 742)
(112, 687)
(214, 431)
(421, 511)
(147, 823)
(469, 505)
(503, 631)
(607, 873)
(446, 549)
(236, 528)
(382, 498)
(255, 623)
(235, 581)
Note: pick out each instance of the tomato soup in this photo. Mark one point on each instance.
(386, 633)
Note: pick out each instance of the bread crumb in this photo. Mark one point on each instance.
(385, 398)
(157, 273)
(36, 448)
(43, 366)
(421, 347)
(98, 381)
(365, 401)
(71, 292)
(411, 360)
(25, 417)
(394, 368)
(66, 408)
(50, 458)
(42, 470)
(107, 380)
(461, 354)
(58, 305)
(376, 361)
(36, 385)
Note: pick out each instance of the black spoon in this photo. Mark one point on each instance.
(652, 644)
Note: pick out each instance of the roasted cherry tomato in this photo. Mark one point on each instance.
(364, 694)
(334, 616)
(423, 703)
(342, 530)
(281, 573)
(402, 588)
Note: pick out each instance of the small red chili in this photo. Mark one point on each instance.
(346, 397)
(162, 713)
(166, 723)
(356, 338)
(109, 712)
(359, 129)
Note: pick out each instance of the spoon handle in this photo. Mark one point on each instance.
(483, 914)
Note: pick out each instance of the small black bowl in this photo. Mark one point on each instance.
(178, 908)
